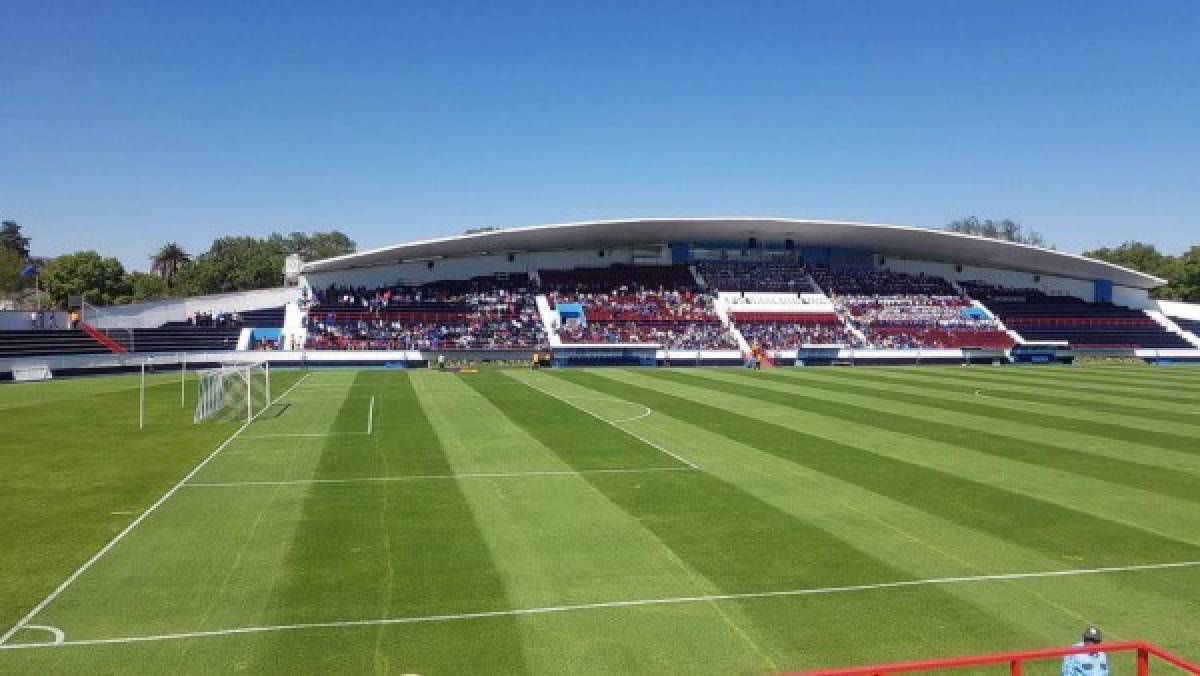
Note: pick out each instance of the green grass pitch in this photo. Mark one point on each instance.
(621, 520)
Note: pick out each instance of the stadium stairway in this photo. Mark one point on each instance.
(108, 343)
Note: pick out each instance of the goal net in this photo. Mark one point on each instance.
(233, 392)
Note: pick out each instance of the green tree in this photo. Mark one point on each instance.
(313, 247)
(233, 264)
(11, 265)
(243, 263)
(1135, 255)
(167, 262)
(143, 287)
(1006, 229)
(99, 280)
(12, 239)
(1183, 277)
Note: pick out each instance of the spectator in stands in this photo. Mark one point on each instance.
(1087, 664)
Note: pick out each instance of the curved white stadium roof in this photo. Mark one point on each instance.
(893, 240)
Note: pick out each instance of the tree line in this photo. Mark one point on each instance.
(230, 264)
(1182, 272)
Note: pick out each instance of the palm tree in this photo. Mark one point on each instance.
(167, 262)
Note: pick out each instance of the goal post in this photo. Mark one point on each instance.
(232, 391)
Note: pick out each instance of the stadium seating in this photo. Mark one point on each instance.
(902, 311)
(178, 338)
(619, 276)
(787, 331)
(764, 276)
(1039, 316)
(1190, 325)
(480, 313)
(17, 344)
(267, 318)
(683, 320)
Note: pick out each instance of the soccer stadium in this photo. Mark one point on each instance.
(713, 445)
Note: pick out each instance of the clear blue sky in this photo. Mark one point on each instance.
(123, 125)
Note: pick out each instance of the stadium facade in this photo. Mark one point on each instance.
(662, 241)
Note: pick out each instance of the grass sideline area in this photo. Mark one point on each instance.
(601, 520)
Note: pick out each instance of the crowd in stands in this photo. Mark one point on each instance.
(619, 276)
(676, 319)
(764, 276)
(789, 335)
(671, 335)
(874, 282)
(901, 311)
(483, 313)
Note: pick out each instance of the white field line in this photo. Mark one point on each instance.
(430, 477)
(615, 424)
(133, 524)
(646, 410)
(326, 397)
(371, 415)
(276, 435)
(632, 603)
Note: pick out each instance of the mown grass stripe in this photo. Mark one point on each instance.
(973, 405)
(1149, 392)
(1060, 531)
(1031, 393)
(1147, 477)
(1139, 374)
(734, 539)
(391, 548)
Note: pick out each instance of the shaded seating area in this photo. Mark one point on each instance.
(761, 276)
(1039, 316)
(618, 276)
(18, 344)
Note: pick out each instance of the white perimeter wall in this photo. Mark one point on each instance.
(1079, 288)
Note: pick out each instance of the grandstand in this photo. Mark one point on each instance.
(705, 290)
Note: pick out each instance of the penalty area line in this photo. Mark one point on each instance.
(24, 621)
(632, 603)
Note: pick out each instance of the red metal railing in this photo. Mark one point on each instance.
(1141, 651)
(106, 342)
